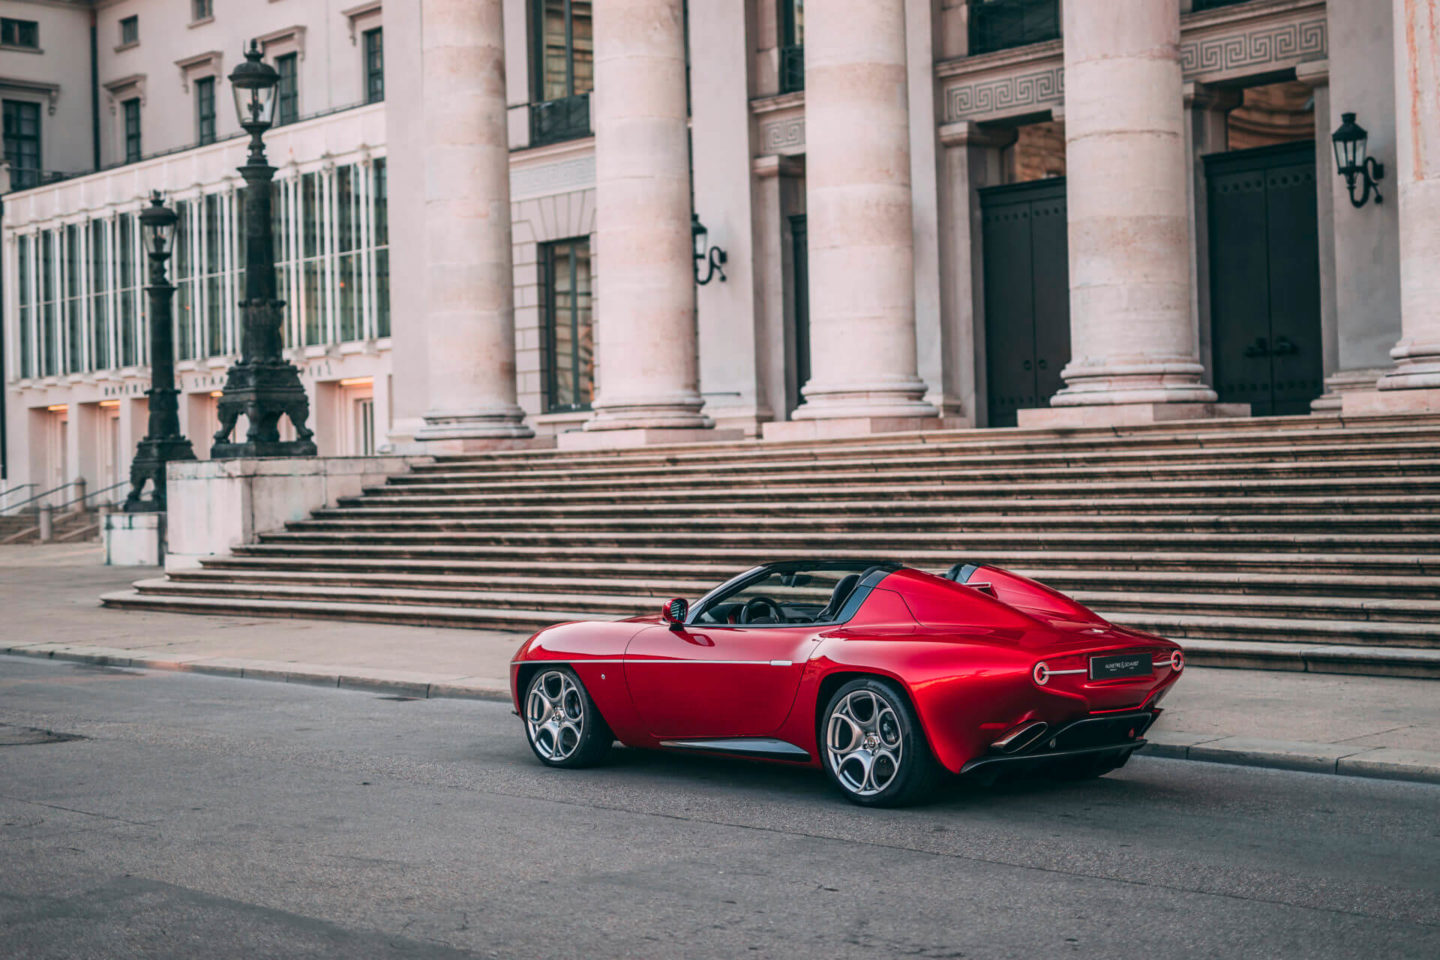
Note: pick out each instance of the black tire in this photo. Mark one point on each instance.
(845, 726)
(562, 724)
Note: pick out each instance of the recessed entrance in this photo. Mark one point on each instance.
(1027, 295)
(1265, 278)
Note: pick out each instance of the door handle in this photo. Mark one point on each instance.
(1025, 365)
(1284, 347)
(1040, 364)
(1260, 348)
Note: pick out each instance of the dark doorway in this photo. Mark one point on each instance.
(1027, 295)
(1265, 278)
(800, 307)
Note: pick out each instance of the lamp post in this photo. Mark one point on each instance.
(263, 385)
(1351, 162)
(163, 441)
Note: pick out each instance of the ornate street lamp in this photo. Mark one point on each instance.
(1352, 163)
(263, 385)
(713, 258)
(163, 441)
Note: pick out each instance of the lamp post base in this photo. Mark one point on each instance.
(149, 465)
(263, 391)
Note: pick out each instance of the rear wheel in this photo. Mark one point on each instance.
(873, 747)
(561, 722)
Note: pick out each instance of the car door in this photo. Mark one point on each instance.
(716, 681)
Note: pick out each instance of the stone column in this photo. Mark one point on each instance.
(862, 254)
(645, 331)
(1134, 346)
(468, 297)
(1417, 185)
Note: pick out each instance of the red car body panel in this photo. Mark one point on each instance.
(966, 659)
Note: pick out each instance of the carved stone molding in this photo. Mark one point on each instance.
(50, 91)
(1269, 46)
(784, 134)
(200, 65)
(1013, 94)
(565, 176)
(124, 89)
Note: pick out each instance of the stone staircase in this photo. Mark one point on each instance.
(69, 527)
(1302, 543)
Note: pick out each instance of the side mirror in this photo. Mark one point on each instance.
(674, 612)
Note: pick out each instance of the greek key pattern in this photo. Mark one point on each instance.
(783, 135)
(563, 177)
(1281, 43)
(1005, 94)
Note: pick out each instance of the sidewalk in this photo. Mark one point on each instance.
(1357, 726)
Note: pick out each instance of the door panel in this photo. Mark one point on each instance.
(716, 681)
(1027, 295)
(1265, 278)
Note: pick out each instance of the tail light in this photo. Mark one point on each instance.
(1041, 674)
(1177, 661)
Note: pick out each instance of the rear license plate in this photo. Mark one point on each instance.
(1124, 665)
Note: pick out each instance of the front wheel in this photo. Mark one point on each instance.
(874, 748)
(561, 722)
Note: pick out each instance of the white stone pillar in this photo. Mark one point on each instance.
(861, 243)
(1134, 345)
(468, 311)
(645, 328)
(1417, 184)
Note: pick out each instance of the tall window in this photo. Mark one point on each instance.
(27, 308)
(380, 239)
(569, 329)
(205, 109)
(374, 65)
(312, 268)
(182, 272)
(22, 142)
(210, 262)
(126, 289)
(792, 45)
(129, 31)
(349, 259)
(74, 306)
(49, 328)
(100, 353)
(19, 33)
(564, 71)
(287, 103)
(132, 129)
(201, 10)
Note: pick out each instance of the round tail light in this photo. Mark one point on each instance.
(1041, 674)
(1177, 661)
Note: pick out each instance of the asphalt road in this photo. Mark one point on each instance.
(216, 818)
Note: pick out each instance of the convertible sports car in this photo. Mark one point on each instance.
(884, 675)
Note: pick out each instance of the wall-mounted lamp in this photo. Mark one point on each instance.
(1351, 161)
(713, 258)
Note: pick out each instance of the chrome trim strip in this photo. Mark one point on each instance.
(756, 746)
(643, 660)
(781, 663)
(1062, 673)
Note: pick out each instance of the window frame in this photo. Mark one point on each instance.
(569, 106)
(549, 320)
(202, 10)
(18, 30)
(287, 65)
(130, 30)
(131, 137)
(204, 96)
(872, 572)
(372, 46)
(31, 175)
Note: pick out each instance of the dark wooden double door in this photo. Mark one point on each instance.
(1265, 278)
(1027, 295)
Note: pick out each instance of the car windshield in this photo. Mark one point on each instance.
(788, 593)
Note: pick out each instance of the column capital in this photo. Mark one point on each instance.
(1203, 96)
(1313, 73)
(777, 165)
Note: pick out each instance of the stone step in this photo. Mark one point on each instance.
(1420, 470)
(1335, 525)
(1074, 491)
(736, 559)
(693, 580)
(559, 606)
(1184, 626)
(393, 509)
(1122, 604)
(778, 543)
(260, 557)
(925, 459)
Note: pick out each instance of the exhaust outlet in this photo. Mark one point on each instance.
(1021, 737)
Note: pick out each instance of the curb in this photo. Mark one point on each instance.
(1378, 763)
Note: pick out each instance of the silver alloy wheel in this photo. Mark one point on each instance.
(555, 715)
(864, 743)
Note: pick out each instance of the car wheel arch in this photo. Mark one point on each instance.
(836, 679)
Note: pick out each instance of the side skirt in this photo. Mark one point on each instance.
(764, 747)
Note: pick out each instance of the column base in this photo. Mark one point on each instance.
(1341, 382)
(1383, 403)
(500, 421)
(841, 427)
(1125, 414)
(642, 437)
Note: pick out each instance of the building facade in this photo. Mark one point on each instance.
(931, 212)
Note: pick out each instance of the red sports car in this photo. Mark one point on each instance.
(884, 675)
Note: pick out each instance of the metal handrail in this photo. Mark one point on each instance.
(21, 486)
(87, 496)
(41, 496)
